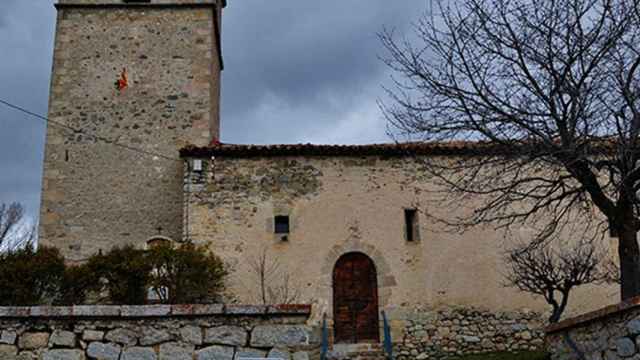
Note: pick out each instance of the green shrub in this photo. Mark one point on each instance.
(187, 274)
(122, 274)
(29, 277)
(77, 283)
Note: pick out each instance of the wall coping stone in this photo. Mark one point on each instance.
(191, 4)
(146, 311)
(589, 317)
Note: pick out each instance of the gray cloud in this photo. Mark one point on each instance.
(26, 34)
(296, 71)
(303, 71)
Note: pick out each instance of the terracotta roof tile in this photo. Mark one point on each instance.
(458, 148)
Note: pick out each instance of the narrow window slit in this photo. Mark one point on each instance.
(411, 224)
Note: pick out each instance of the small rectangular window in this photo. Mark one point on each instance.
(411, 224)
(197, 165)
(281, 224)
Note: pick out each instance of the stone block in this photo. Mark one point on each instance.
(32, 341)
(96, 310)
(176, 351)
(8, 351)
(300, 355)
(226, 335)
(625, 347)
(27, 355)
(62, 338)
(8, 337)
(289, 309)
(280, 335)
(152, 336)
(633, 327)
(215, 352)
(212, 309)
(277, 353)
(139, 353)
(92, 335)
(245, 309)
(191, 334)
(181, 309)
(102, 351)
(122, 336)
(52, 311)
(249, 353)
(470, 339)
(15, 311)
(145, 310)
(59, 354)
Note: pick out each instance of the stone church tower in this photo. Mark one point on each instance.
(133, 81)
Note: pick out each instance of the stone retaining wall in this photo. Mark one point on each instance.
(431, 334)
(163, 332)
(610, 333)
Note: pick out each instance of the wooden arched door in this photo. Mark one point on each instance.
(355, 299)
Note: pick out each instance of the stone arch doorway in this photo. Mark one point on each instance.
(355, 299)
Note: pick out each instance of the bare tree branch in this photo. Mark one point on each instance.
(275, 285)
(553, 273)
(557, 83)
(15, 232)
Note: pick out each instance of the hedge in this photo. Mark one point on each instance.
(124, 275)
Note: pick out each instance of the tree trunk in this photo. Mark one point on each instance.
(629, 254)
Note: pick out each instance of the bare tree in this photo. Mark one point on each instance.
(543, 270)
(275, 285)
(611, 272)
(549, 92)
(15, 232)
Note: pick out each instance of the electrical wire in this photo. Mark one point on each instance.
(81, 131)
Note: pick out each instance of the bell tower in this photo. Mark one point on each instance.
(133, 81)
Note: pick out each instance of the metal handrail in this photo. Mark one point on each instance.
(325, 338)
(388, 344)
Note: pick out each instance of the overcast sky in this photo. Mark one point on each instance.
(297, 71)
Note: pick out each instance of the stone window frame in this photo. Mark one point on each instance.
(149, 242)
(411, 231)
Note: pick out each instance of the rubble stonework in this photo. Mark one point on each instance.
(97, 195)
(186, 332)
(341, 200)
(439, 334)
(610, 333)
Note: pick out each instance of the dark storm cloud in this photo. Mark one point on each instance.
(296, 71)
(26, 33)
(306, 70)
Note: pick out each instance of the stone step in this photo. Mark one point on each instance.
(356, 352)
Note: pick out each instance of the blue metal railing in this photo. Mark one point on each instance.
(325, 338)
(388, 344)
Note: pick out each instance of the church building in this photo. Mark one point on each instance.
(341, 227)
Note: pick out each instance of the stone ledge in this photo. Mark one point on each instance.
(145, 311)
(583, 319)
(190, 4)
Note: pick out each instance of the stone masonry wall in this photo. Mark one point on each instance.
(612, 333)
(202, 332)
(342, 204)
(430, 334)
(96, 195)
